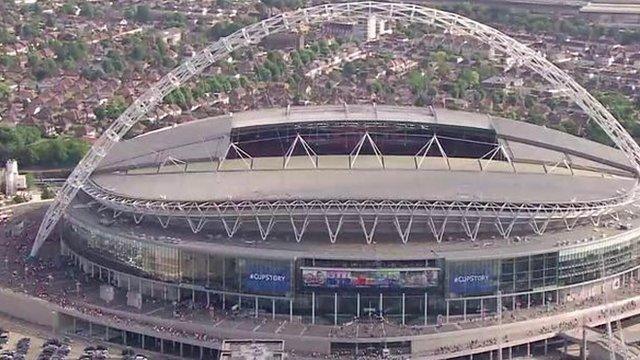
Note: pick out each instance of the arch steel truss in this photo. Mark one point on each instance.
(252, 34)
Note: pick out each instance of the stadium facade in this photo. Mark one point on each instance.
(330, 213)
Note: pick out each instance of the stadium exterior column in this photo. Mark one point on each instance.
(75, 324)
(335, 308)
(529, 300)
(447, 318)
(513, 303)
(481, 308)
(208, 298)
(510, 352)
(546, 346)
(273, 309)
(129, 283)
(290, 310)
(181, 350)
(90, 329)
(426, 305)
(313, 307)
(224, 301)
(528, 349)
(583, 344)
(142, 340)
(464, 309)
(403, 307)
(255, 306)
(380, 304)
(106, 333)
(491, 355)
(358, 304)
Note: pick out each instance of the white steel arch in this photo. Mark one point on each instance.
(252, 34)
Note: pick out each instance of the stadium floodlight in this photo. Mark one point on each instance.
(354, 11)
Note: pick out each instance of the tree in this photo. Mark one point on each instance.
(5, 90)
(68, 8)
(6, 37)
(110, 110)
(142, 13)
(175, 19)
(47, 193)
(139, 52)
(29, 31)
(19, 199)
(349, 69)
(87, 10)
(417, 81)
(223, 28)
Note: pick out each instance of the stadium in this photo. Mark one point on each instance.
(333, 213)
(326, 215)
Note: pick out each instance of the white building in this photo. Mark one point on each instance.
(12, 180)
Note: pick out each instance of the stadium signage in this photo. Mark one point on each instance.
(350, 278)
(266, 278)
(472, 278)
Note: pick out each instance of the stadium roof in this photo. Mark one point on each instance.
(210, 137)
(363, 184)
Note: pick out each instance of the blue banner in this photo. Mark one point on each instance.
(472, 278)
(266, 278)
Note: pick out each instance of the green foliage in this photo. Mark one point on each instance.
(68, 8)
(175, 19)
(139, 52)
(223, 28)
(47, 193)
(8, 60)
(284, 4)
(41, 68)
(26, 145)
(29, 31)
(623, 109)
(6, 37)
(92, 73)
(111, 110)
(30, 180)
(5, 90)
(142, 13)
(88, 10)
(113, 62)
(417, 81)
(75, 50)
(19, 199)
